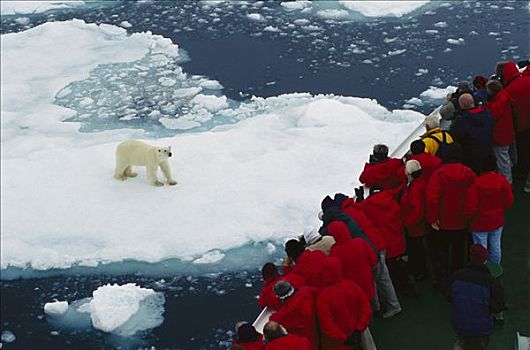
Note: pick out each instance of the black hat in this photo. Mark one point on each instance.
(247, 333)
(283, 290)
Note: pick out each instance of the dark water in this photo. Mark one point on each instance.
(224, 44)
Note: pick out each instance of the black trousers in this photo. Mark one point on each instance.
(448, 252)
(417, 255)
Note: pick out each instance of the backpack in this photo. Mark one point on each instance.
(442, 144)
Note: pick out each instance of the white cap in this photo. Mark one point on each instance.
(311, 234)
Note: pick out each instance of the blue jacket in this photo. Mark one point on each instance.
(474, 295)
(473, 130)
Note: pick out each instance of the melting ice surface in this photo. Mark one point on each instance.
(258, 180)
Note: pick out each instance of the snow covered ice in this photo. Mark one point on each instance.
(125, 309)
(56, 308)
(259, 178)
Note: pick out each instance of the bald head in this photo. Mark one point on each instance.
(466, 102)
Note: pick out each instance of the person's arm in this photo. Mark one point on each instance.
(508, 195)
(433, 199)
(327, 324)
(416, 208)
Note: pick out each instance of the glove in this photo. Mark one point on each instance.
(327, 203)
(339, 198)
(353, 340)
(359, 194)
(372, 159)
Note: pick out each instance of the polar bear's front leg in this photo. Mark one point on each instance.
(129, 173)
(119, 172)
(166, 170)
(152, 177)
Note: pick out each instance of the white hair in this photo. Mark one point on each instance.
(432, 122)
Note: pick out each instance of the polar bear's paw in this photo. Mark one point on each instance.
(120, 177)
(131, 174)
(172, 183)
(157, 183)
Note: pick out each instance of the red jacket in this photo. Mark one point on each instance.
(429, 164)
(298, 314)
(289, 342)
(446, 195)
(342, 308)
(412, 205)
(518, 87)
(487, 199)
(268, 298)
(384, 174)
(501, 111)
(355, 211)
(309, 266)
(356, 256)
(384, 212)
(255, 345)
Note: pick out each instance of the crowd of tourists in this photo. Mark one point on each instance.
(436, 213)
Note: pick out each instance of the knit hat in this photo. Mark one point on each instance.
(493, 87)
(380, 151)
(247, 333)
(447, 112)
(478, 255)
(412, 166)
(283, 290)
(479, 82)
(311, 235)
(417, 147)
(327, 203)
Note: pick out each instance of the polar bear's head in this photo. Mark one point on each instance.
(163, 153)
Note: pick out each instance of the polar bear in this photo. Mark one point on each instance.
(133, 152)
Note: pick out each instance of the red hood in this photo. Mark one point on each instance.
(339, 231)
(489, 183)
(455, 172)
(331, 271)
(509, 73)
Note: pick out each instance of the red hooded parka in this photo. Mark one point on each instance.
(446, 195)
(289, 342)
(356, 256)
(268, 298)
(501, 111)
(413, 208)
(487, 199)
(518, 87)
(355, 211)
(384, 174)
(342, 308)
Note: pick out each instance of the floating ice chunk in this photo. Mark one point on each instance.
(311, 28)
(271, 29)
(271, 248)
(86, 101)
(473, 32)
(256, 17)
(367, 61)
(390, 40)
(459, 41)
(448, 50)
(164, 81)
(396, 52)
(210, 258)
(210, 102)
(56, 308)
(431, 31)
(23, 21)
(178, 123)
(435, 95)
(302, 21)
(441, 25)
(186, 92)
(296, 5)
(33, 7)
(333, 14)
(210, 84)
(421, 71)
(125, 24)
(494, 33)
(125, 309)
(8, 337)
(382, 8)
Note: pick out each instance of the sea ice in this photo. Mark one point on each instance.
(257, 180)
(394, 8)
(125, 309)
(56, 308)
(32, 7)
